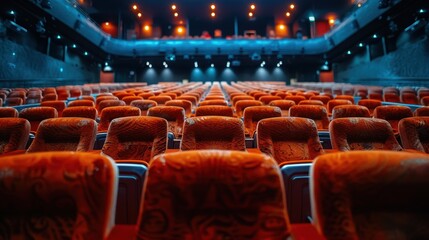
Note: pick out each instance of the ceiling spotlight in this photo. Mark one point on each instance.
(228, 64)
(349, 52)
(252, 6)
(282, 27)
(250, 14)
(180, 29)
(173, 7)
(107, 23)
(135, 7)
(292, 6)
(213, 7)
(195, 64)
(213, 14)
(139, 15)
(74, 46)
(212, 65)
(85, 53)
(146, 28)
(287, 14)
(312, 18)
(58, 36)
(331, 21)
(176, 14)
(374, 36)
(12, 12)
(150, 65)
(147, 63)
(360, 44)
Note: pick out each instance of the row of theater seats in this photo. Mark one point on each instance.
(210, 194)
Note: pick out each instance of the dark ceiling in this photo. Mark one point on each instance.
(109, 10)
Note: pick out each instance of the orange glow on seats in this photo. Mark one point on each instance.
(14, 134)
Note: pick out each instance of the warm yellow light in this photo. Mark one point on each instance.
(176, 14)
(173, 7)
(146, 28)
(135, 7)
(180, 30)
(282, 27)
(288, 14)
(250, 14)
(139, 15)
(332, 21)
(252, 6)
(106, 23)
(292, 6)
(213, 7)
(213, 14)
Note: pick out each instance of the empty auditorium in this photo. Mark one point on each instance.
(214, 120)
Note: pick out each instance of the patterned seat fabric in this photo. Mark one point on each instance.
(284, 105)
(14, 134)
(344, 111)
(139, 138)
(174, 115)
(57, 195)
(371, 195)
(393, 114)
(213, 132)
(241, 105)
(58, 105)
(110, 113)
(8, 112)
(81, 111)
(37, 114)
(185, 104)
(143, 105)
(414, 132)
(83, 102)
(371, 104)
(362, 134)
(337, 102)
(65, 134)
(252, 115)
(213, 102)
(317, 113)
(419, 112)
(287, 139)
(213, 195)
(214, 110)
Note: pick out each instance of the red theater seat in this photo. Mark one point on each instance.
(345, 111)
(349, 134)
(59, 105)
(214, 110)
(161, 100)
(288, 139)
(110, 103)
(414, 132)
(110, 113)
(371, 104)
(213, 102)
(65, 134)
(223, 195)
(37, 114)
(241, 105)
(139, 138)
(185, 104)
(284, 105)
(79, 103)
(81, 111)
(143, 105)
(14, 134)
(58, 195)
(419, 112)
(252, 115)
(8, 112)
(213, 132)
(371, 195)
(337, 102)
(392, 114)
(314, 112)
(175, 117)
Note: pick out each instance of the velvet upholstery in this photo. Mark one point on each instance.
(414, 132)
(57, 195)
(311, 102)
(419, 112)
(161, 100)
(344, 111)
(37, 114)
(50, 97)
(14, 134)
(211, 194)
(185, 104)
(8, 112)
(59, 105)
(213, 102)
(99, 99)
(371, 104)
(252, 115)
(371, 195)
(146, 95)
(288, 139)
(109, 103)
(175, 117)
(65, 134)
(362, 134)
(337, 102)
(213, 132)
(322, 98)
(267, 99)
(214, 97)
(235, 99)
(284, 105)
(14, 101)
(214, 110)
(170, 94)
(346, 97)
(129, 99)
(393, 114)
(81, 111)
(391, 97)
(241, 105)
(192, 99)
(314, 112)
(143, 105)
(138, 138)
(424, 101)
(81, 102)
(409, 98)
(295, 98)
(110, 113)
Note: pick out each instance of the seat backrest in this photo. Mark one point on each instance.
(252, 115)
(392, 114)
(59, 105)
(346, 97)
(8, 112)
(241, 105)
(192, 99)
(295, 98)
(362, 134)
(224, 194)
(99, 99)
(284, 105)
(287, 139)
(83, 102)
(110, 113)
(139, 138)
(414, 132)
(311, 102)
(161, 100)
(81, 111)
(14, 134)
(175, 117)
(146, 95)
(213, 102)
(419, 112)
(50, 97)
(371, 195)
(322, 98)
(409, 98)
(129, 99)
(337, 102)
(391, 97)
(235, 99)
(344, 111)
(314, 112)
(213, 132)
(214, 110)
(14, 101)
(37, 114)
(143, 105)
(65, 134)
(58, 195)
(185, 104)
(371, 104)
(109, 103)
(267, 99)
